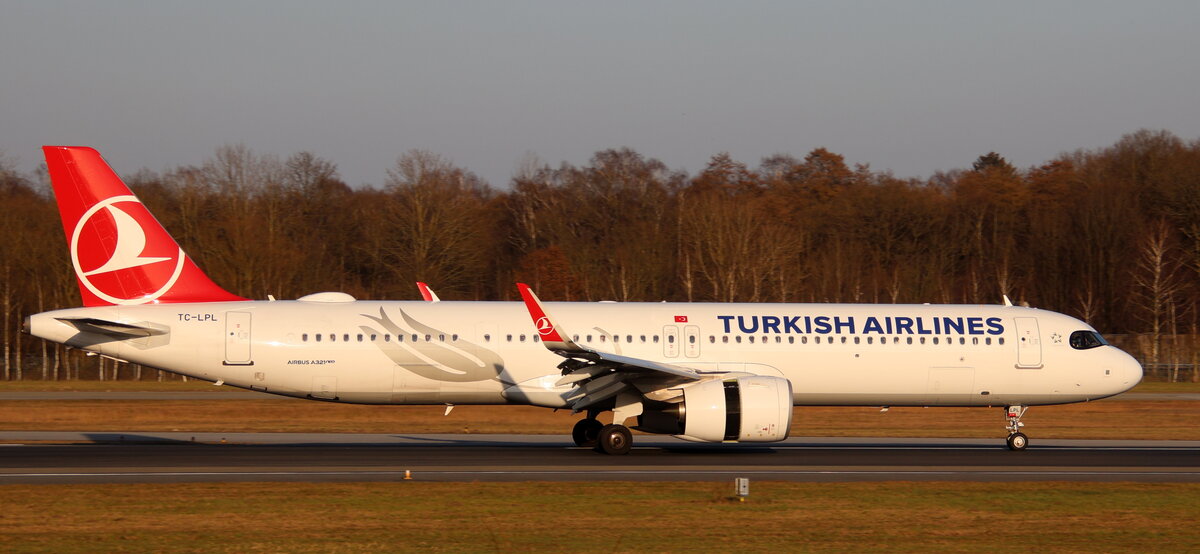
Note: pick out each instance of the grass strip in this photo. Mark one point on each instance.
(611, 516)
(1162, 420)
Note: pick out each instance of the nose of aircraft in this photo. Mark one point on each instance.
(1127, 370)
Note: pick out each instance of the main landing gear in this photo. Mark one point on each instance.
(1016, 439)
(586, 431)
(609, 439)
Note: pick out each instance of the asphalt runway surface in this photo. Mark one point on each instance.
(29, 457)
(229, 393)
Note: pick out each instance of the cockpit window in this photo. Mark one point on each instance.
(1083, 340)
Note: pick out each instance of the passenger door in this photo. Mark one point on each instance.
(1029, 343)
(237, 338)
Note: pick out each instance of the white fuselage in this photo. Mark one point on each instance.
(488, 352)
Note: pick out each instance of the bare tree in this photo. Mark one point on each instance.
(1157, 276)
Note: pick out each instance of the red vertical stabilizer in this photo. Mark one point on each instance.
(121, 254)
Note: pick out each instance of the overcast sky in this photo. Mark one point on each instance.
(911, 87)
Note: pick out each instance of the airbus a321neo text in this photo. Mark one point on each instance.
(698, 371)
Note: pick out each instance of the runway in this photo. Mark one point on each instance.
(229, 393)
(81, 457)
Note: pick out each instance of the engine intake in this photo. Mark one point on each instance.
(749, 409)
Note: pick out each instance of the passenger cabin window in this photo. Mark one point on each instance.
(1083, 340)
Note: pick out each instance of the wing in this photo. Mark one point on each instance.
(599, 376)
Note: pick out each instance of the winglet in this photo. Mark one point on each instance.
(552, 335)
(427, 293)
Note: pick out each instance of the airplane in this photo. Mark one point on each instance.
(708, 372)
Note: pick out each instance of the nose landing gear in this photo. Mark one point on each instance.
(1016, 439)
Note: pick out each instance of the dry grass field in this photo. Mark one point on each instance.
(1106, 419)
(1134, 419)
(578, 517)
(609, 517)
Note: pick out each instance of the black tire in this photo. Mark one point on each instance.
(586, 431)
(614, 439)
(1017, 441)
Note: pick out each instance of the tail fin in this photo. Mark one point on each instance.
(121, 254)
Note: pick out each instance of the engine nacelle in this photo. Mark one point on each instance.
(750, 409)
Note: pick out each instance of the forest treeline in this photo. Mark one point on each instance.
(1110, 235)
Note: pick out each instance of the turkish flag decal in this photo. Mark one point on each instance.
(681, 319)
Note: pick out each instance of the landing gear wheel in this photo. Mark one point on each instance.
(586, 431)
(614, 439)
(1017, 441)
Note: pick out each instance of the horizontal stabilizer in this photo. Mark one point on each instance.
(114, 329)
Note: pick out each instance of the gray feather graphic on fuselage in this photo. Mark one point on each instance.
(457, 361)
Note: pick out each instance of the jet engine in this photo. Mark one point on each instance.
(750, 409)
